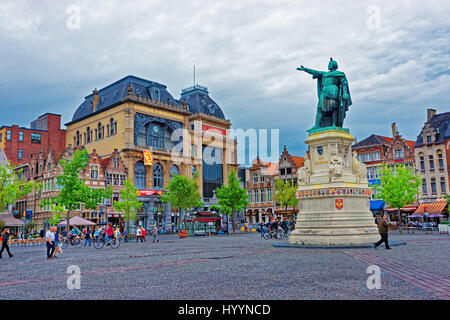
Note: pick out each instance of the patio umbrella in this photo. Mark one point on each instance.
(77, 221)
(435, 215)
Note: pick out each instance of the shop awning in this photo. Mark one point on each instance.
(409, 208)
(432, 207)
(376, 204)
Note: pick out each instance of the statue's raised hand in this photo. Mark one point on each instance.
(302, 68)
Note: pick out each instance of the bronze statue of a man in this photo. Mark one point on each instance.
(334, 95)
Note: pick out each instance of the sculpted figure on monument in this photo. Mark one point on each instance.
(336, 166)
(304, 172)
(333, 93)
(359, 169)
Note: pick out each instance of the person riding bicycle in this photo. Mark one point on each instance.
(75, 232)
(109, 233)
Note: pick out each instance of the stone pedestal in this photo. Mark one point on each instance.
(333, 194)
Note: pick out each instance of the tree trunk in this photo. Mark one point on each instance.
(233, 221)
(68, 222)
(399, 221)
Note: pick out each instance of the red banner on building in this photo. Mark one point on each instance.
(221, 131)
(149, 192)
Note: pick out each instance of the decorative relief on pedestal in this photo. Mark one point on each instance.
(304, 173)
(336, 167)
(359, 169)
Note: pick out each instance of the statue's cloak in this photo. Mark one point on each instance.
(343, 104)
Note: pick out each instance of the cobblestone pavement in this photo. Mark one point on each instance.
(243, 266)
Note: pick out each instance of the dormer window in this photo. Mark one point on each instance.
(156, 94)
(428, 139)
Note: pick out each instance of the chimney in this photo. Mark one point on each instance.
(394, 130)
(430, 114)
(95, 101)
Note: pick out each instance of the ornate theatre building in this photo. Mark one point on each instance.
(157, 136)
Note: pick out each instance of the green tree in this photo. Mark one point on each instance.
(55, 218)
(285, 194)
(398, 187)
(74, 190)
(232, 198)
(183, 193)
(129, 204)
(30, 226)
(13, 185)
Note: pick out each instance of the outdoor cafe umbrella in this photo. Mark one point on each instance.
(77, 221)
(435, 215)
(415, 215)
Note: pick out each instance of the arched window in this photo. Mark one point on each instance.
(174, 171)
(158, 175)
(78, 138)
(139, 176)
(112, 127)
(88, 134)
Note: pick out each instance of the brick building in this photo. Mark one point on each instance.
(19, 144)
(376, 150)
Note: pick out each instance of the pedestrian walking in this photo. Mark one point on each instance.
(383, 229)
(87, 236)
(155, 234)
(58, 248)
(50, 237)
(143, 235)
(138, 234)
(125, 235)
(5, 238)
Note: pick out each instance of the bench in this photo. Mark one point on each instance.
(200, 233)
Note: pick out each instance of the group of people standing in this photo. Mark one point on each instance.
(141, 233)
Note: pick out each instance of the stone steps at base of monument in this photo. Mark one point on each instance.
(324, 231)
(286, 244)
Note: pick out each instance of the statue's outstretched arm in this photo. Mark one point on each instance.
(315, 73)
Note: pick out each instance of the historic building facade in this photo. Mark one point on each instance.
(184, 136)
(432, 154)
(99, 173)
(260, 184)
(20, 144)
(376, 150)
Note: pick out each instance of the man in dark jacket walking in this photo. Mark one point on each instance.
(5, 243)
(383, 228)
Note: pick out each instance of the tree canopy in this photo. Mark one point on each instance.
(129, 205)
(398, 187)
(284, 194)
(13, 185)
(232, 197)
(183, 193)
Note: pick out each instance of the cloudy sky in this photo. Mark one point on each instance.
(396, 55)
